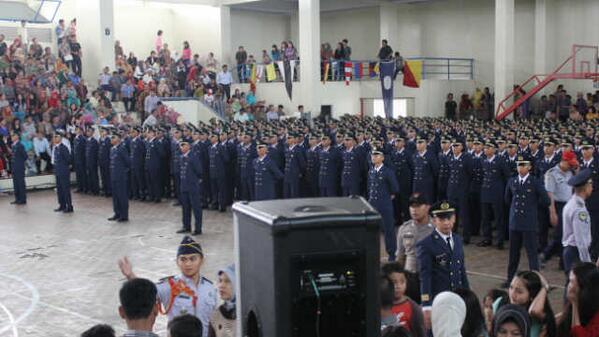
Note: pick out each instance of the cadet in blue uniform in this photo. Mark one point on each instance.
(525, 194)
(175, 151)
(458, 186)
(476, 181)
(120, 164)
(17, 166)
(495, 176)
(91, 162)
(295, 166)
(382, 189)
(401, 161)
(245, 161)
(219, 157)
(60, 160)
(188, 293)
(354, 164)
(329, 160)
(79, 160)
(266, 174)
(312, 167)
(444, 156)
(190, 189)
(426, 171)
(136, 155)
(152, 166)
(440, 256)
(590, 160)
(104, 161)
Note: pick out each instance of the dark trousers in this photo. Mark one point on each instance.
(46, 158)
(544, 224)
(555, 246)
(191, 201)
(328, 191)
(241, 73)
(402, 208)
(352, 189)
(81, 177)
(93, 183)
(462, 215)
(218, 188)
(291, 188)
(128, 103)
(63, 191)
(246, 189)
(227, 90)
(18, 183)
(153, 183)
(594, 213)
(206, 195)
(120, 198)
(76, 65)
(493, 211)
(528, 239)
(177, 182)
(475, 212)
(105, 176)
(389, 230)
(570, 257)
(137, 183)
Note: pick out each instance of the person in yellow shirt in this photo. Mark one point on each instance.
(592, 114)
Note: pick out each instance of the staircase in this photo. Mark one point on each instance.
(584, 69)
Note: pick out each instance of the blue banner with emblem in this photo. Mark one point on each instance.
(387, 69)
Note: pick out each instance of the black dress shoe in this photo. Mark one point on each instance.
(68, 210)
(176, 204)
(113, 218)
(122, 220)
(183, 230)
(500, 246)
(484, 243)
(59, 209)
(466, 242)
(156, 201)
(14, 202)
(197, 232)
(222, 209)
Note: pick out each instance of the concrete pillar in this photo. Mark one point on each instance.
(22, 31)
(226, 53)
(504, 49)
(540, 37)
(309, 53)
(106, 37)
(388, 25)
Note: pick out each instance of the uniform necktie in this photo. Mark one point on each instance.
(448, 239)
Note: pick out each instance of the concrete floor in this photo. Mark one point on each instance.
(59, 273)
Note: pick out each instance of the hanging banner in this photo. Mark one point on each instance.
(387, 69)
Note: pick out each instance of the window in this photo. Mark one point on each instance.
(400, 108)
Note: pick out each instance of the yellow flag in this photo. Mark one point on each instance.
(253, 73)
(271, 74)
(376, 68)
(415, 67)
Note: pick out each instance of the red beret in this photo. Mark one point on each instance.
(568, 156)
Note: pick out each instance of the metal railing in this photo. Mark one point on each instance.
(433, 68)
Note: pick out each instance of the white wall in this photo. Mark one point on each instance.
(256, 31)
(360, 27)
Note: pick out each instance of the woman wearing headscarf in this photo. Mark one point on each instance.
(448, 315)
(511, 320)
(222, 322)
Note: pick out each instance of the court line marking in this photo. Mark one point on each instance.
(35, 300)
(497, 277)
(11, 320)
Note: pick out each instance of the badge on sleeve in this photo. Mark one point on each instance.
(583, 216)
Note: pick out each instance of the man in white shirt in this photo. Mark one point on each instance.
(151, 102)
(41, 148)
(224, 80)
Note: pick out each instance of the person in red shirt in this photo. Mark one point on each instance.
(585, 312)
(408, 312)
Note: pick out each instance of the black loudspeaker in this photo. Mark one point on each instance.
(308, 268)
